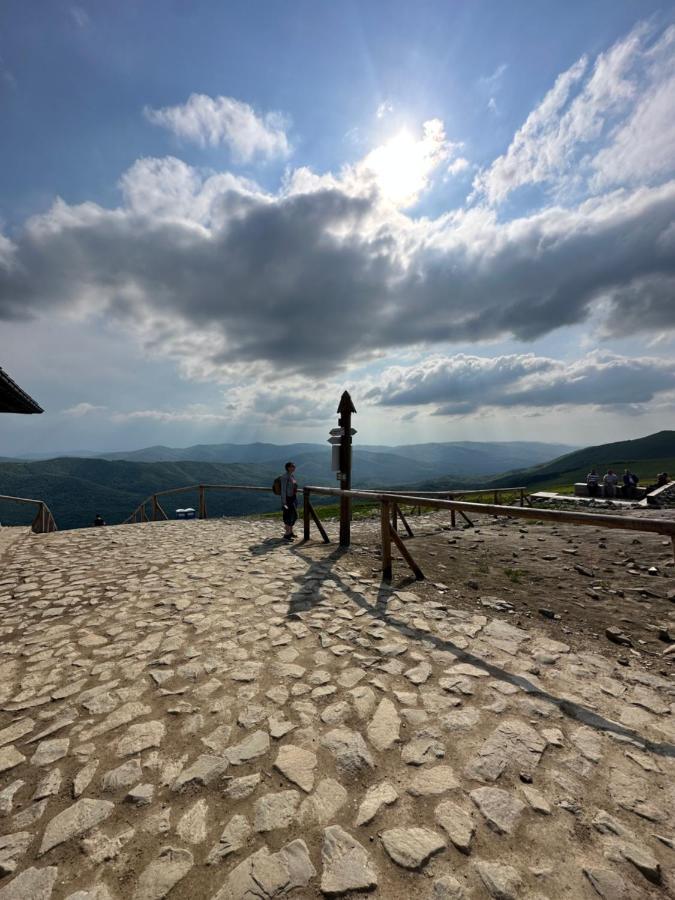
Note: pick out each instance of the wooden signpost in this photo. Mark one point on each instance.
(345, 409)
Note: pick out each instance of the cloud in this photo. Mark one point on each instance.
(211, 121)
(216, 273)
(83, 409)
(384, 109)
(458, 165)
(462, 384)
(601, 124)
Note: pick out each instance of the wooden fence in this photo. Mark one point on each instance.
(43, 521)
(140, 513)
(390, 506)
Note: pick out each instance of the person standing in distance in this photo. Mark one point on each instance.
(289, 500)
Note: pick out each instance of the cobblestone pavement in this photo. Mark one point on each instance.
(196, 709)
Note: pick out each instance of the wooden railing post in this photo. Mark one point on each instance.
(522, 497)
(155, 511)
(202, 502)
(305, 513)
(394, 516)
(386, 540)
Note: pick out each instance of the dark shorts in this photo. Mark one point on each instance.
(291, 514)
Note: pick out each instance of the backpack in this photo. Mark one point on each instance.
(276, 486)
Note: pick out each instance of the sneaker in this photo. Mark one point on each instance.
(288, 537)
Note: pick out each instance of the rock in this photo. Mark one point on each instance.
(234, 838)
(502, 882)
(513, 745)
(265, 875)
(336, 713)
(460, 719)
(616, 636)
(422, 750)
(276, 810)
(7, 796)
(163, 874)
(643, 860)
(297, 765)
(349, 678)
(588, 743)
(433, 781)
(377, 796)
(383, 730)
(363, 699)
(257, 744)
(77, 819)
(48, 786)
(457, 824)
(49, 752)
(346, 864)
(204, 771)
(607, 884)
(447, 888)
(123, 776)
(97, 892)
(100, 848)
(240, 788)
(15, 731)
(141, 737)
(12, 848)
(351, 754)
(419, 674)
(501, 809)
(321, 806)
(411, 847)
(279, 726)
(83, 778)
(191, 826)
(537, 801)
(141, 795)
(33, 884)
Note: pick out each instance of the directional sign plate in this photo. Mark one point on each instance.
(337, 432)
(334, 440)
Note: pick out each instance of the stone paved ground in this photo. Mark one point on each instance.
(195, 709)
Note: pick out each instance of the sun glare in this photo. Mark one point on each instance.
(401, 167)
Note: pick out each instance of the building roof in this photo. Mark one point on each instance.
(13, 399)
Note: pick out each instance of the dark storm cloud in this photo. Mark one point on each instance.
(310, 280)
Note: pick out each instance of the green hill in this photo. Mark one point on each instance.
(645, 456)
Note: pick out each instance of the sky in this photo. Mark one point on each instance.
(214, 218)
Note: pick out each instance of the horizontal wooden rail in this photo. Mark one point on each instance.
(43, 522)
(140, 514)
(626, 523)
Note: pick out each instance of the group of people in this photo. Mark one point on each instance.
(610, 483)
(612, 488)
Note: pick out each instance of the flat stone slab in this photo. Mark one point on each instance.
(433, 781)
(347, 865)
(412, 847)
(77, 819)
(501, 809)
(457, 824)
(204, 771)
(377, 797)
(297, 765)
(32, 884)
(502, 882)
(351, 753)
(163, 874)
(234, 838)
(275, 811)
(514, 745)
(141, 736)
(383, 730)
(266, 875)
(323, 804)
(257, 744)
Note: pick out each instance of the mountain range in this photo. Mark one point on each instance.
(76, 489)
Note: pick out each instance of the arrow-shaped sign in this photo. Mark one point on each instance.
(334, 440)
(336, 432)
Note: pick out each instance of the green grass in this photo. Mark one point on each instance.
(514, 575)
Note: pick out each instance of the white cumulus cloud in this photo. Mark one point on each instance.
(210, 121)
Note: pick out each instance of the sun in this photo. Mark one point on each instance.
(402, 166)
